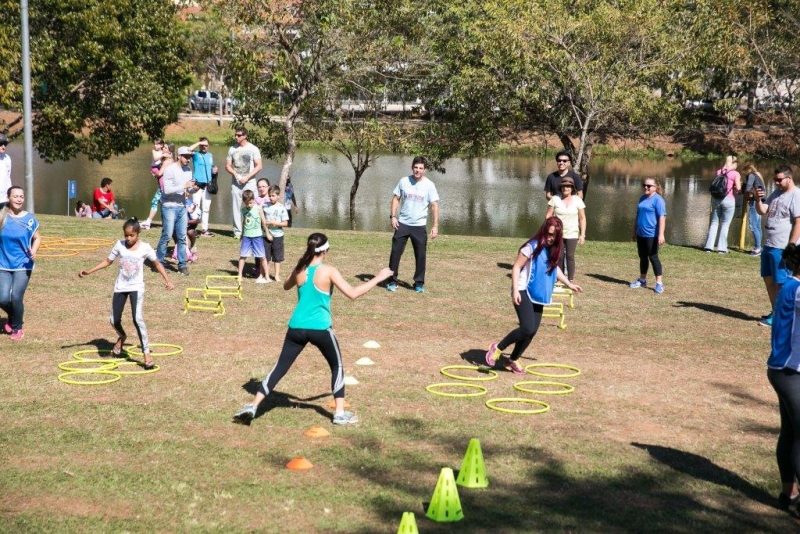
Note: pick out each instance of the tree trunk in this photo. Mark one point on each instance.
(291, 141)
(353, 192)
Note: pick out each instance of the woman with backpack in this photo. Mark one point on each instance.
(753, 182)
(723, 205)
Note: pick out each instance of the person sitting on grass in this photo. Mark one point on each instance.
(311, 323)
(130, 284)
(83, 210)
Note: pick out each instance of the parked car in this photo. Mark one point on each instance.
(705, 104)
(205, 100)
(774, 103)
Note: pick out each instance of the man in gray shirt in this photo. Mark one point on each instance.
(177, 182)
(782, 210)
(243, 163)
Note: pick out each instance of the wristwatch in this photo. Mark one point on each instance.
(392, 216)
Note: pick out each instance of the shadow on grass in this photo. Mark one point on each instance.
(704, 469)
(98, 343)
(276, 399)
(505, 266)
(556, 495)
(733, 391)
(712, 308)
(609, 279)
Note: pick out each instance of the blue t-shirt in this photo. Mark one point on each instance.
(201, 164)
(540, 282)
(650, 209)
(785, 338)
(16, 239)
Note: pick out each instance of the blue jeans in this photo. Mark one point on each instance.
(721, 210)
(754, 222)
(12, 290)
(173, 219)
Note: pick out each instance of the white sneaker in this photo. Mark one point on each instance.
(262, 280)
(345, 418)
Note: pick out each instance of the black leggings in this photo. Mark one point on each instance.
(787, 385)
(530, 317)
(648, 252)
(568, 254)
(293, 344)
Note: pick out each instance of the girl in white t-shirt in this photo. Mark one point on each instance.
(130, 284)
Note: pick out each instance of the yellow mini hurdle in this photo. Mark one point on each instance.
(204, 304)
(555, 310)
(561, 292)
(214, 286)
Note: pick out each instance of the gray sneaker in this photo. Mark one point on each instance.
(345, 418)
(245, 415)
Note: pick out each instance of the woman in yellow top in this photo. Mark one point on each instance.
(569, 207)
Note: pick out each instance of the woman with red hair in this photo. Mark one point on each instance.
(533, 277)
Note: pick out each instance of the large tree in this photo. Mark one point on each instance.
(104, 73)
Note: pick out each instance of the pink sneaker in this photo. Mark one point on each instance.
(515, 367)
(192, 257)
(492, 355)
(7, 328)
(175, 253)
(17, 335)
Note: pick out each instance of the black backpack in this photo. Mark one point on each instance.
(719, 185)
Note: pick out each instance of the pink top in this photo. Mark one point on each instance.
(732, 177)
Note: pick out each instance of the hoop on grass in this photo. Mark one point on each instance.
(567, 388)
(492, 374)
(433, 387)
(63, 377)
(136, 350)
(79, 356)
(141, 371)
(575, 370)
(491, 406)
(74, 365)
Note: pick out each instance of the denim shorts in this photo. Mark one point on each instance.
(772, 265)
(252, 246)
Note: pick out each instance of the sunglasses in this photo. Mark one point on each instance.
(648, 186)
(238, 135)
(562, 161)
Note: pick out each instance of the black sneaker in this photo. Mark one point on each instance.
(184, 271)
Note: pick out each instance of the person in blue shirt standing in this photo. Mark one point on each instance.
(19, 241)
(783, 372)
(414, 195)
(651, 222)
(203, 169)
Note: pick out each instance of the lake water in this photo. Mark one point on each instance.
(496, 196)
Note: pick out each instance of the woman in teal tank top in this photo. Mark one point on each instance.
(311, 323)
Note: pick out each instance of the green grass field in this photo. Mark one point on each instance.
(671, 428)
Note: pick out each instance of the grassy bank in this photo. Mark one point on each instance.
(671, 427)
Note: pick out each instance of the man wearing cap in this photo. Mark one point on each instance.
(177, 181)
(243, 163)
(5, 171)
(202, 170)
(553, 181)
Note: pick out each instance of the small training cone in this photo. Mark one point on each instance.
(473, 470)
(332, 404)
(350, 381)
(445, 506)
(299, 464)
(408, 525)
(364, 361)
(371, 345)
(317, 432)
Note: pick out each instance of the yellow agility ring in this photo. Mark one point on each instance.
(491, 406)
(432, 389)
(79, 356)
(136, 350)
(114, 377)
(88, 241)
(141, 371)
(40, 255)
(493, 374)
(567, 388)
(75, 365)
(575, 370)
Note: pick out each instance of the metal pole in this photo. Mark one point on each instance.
(26, 106)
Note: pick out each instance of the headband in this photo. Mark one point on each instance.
(322, 248)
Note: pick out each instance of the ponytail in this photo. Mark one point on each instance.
(317, 243)
(4, 211)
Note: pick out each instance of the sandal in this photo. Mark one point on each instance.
(116, 350)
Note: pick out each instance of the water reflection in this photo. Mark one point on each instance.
(497, 196)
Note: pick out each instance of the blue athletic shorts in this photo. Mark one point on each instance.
(252, 246)
(772, 265)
